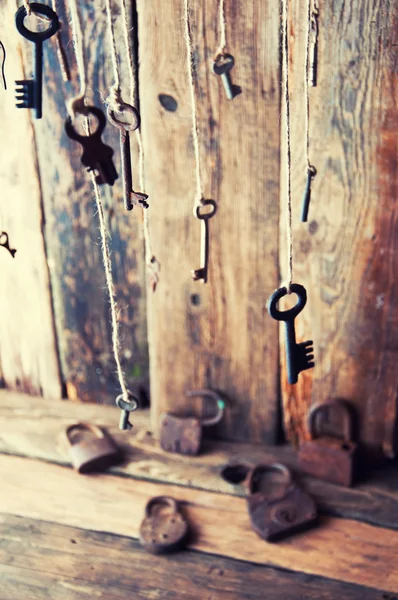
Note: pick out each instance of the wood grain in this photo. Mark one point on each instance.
(337, 548)
(28, 352)
(347, 254)
(86, 564)
(81, 302)
(217, 334)
(33, 428)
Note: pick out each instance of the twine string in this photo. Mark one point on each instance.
(106, 256)
(199, 197)
(223, 31)
(311, 13)
(286, 105)
(78, 103)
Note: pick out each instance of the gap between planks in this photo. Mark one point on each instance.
(339, 549)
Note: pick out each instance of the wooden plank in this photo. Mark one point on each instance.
(365, 554)
(31, 427)
(72, 231)
(28, 351)
(219, 334)
(347, 255)
(86, 564)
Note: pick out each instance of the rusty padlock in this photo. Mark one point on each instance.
(184, 434)
(291, 511)
(330, 457)
(95, 454)
(163, 531)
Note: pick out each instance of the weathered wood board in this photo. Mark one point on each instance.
(347, 255)
(28, 351)
(218, 334)
(86, 565)
(365, 554)
(33, 428)
(81, 304)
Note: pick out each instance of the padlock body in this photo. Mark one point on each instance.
(181, 435)
(274, 520)
(94, 455)
(330, 458)
(161, 533)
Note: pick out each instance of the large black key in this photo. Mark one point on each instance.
(97, 156)
(299, 357)
(29, 91)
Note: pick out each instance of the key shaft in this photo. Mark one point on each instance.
(38, 79)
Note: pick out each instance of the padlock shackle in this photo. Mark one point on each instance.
(94, 429)
(254, 476)
(333, 406)
(218, 400)
(161, 501)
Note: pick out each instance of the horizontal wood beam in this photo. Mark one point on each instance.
(220, 523)
(32, 427)
(98, 570)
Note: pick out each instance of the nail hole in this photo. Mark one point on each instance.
(195, 299)
(164, 536)
(234, 473)
(168, 102)
(313, 227)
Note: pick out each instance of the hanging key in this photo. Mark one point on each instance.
(313, 50)
(201, 273)
(5, 243)
(222, 66)
(299, 357)
(126, 407)
(131, 198)
(97, 156)
(29, 91)
(311, 172)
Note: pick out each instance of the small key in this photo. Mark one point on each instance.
(222, 66)
(29, 91)
(126, 408)
(201, 274)
(299, 357)
(5, 243)
(313, 49)
(97, 156)
(131, 198)
(311, 172)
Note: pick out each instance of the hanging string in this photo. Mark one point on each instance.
(311, 15)
(78, 103)
(195, 132)
(286, 104)
(223, 29)
(3, 75)
(81, 66)
(115, 101)
(27, 7)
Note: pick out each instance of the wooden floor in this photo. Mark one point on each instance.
(65, 536)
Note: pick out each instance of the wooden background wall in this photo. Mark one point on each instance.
(54, 325)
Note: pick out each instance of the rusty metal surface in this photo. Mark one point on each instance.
(95, 454)
(180, 434)
(164, 528)
(330, 457)
(276, 518)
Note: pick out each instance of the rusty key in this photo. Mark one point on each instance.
(126, 407)
(222, 66)
(131, 198)
(201, 273)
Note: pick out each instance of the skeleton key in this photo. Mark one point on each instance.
(299, 357)
(5, 243)
(131, 198)
(126, 408)
(29, 91)
(222, 66)
(201, 274)
(96, 155)
(311, 172)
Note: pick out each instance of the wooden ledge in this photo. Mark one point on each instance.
(32, 427)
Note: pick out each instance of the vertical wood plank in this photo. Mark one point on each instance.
(219, 334)
(347, 255)
(72, 228)
(28, 352)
